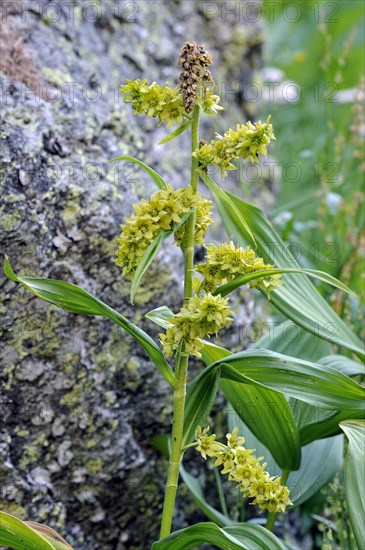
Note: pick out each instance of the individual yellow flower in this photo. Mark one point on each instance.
(225, 458)
(233, 441)
(207, 446)
(210, 102)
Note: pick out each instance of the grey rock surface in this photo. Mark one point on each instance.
(81, 402)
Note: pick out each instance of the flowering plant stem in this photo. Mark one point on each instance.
(181, 360)
(271, 518)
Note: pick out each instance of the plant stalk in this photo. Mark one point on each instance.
(181, 360)
(271, 518)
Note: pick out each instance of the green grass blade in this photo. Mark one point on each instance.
(196, 491)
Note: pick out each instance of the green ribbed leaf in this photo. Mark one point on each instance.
(200, 397)
(343, 364)
(320, 461)
(76, 300)
(231, 209)
(355, 478)
(298, 299)
(227, 288)
(21, 535)
(159, 181)
(266, 413)
(303, 380)
(240, 536)
(313, 421)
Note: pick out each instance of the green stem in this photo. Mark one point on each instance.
(271, 518)
(181, 360)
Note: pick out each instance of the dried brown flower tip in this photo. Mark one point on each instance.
(194, 60)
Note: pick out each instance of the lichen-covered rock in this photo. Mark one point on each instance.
(81, 401)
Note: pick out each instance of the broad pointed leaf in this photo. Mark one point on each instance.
(200, 397)
(240, 536)
(21, 535)
(301, 379)
(159, 181)
(290, 339)
(355, 478)
(315, 422)
(320, 461)
(268, 415)
(344, 364)
(297, 298)
(266, 412)
(76, 300)
(223, 197)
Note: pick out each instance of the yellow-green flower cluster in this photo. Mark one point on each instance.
(248, 141)
(162, 211)
(245, 469)
(198, 318)
(153, 100)
(227, 262)
(203, 218)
